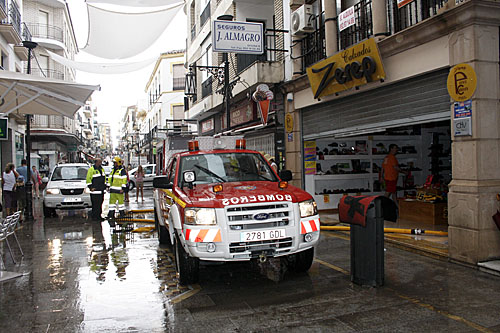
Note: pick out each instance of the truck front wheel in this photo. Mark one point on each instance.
(187, 267)
(303, 260)
(163, 236)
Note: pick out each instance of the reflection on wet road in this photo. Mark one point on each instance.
(82, 277)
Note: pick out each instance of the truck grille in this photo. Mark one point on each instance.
(73, 191)
(243, 217)
(260, 245)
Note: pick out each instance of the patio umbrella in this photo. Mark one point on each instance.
(23, 94)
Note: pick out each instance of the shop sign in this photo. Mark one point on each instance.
(238, 37)
(462, 109)
(263, 97)
(461, 82)
(346, 18)
(207, 125)
(289, 123)
(402, 3)
(242, 114)
(4, 128)
(350, 68)
(310, 157)
(462, 126)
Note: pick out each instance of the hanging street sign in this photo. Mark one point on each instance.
(4, 128)
(461, 82)
(238, 37)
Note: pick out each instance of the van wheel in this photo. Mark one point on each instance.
(163, 236)
(186, 266)
(48, 212)
(303, 260)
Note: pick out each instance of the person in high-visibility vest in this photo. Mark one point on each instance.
(117, 183)
(96, 182)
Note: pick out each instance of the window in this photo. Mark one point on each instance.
(179, 77)
(43, 61)
(178, 111)
(43, 24)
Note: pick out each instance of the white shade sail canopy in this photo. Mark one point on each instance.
(135, 3)
(118, 35)
(102, 68)
(28, 94)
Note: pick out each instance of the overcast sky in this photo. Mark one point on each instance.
(121, 90)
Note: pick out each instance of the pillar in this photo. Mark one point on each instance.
(379, 19)
(473, 237)
(331, 27)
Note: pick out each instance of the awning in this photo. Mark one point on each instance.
(35, 156)
(29, 94)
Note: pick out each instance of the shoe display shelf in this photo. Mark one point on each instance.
(351, 166)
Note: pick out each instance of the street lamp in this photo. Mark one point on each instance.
(29, 191)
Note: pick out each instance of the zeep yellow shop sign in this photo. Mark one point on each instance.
(352, 67)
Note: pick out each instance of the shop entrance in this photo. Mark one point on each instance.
(352, 165)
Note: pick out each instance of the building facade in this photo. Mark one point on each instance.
(55, 138)
(166, 112)
(264, 133)
(13, 32)
(341, 128)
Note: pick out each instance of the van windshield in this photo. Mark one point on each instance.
(70, 173)
(227, 167)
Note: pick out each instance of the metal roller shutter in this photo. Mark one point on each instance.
(417, 100)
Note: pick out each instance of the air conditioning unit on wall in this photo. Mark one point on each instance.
(302, 20)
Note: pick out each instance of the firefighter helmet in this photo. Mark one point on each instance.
(118, 160)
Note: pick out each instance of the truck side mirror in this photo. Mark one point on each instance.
(286, 175)
(162, 182)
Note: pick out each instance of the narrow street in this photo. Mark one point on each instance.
(78, 276)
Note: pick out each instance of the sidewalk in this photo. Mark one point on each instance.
(430, 245)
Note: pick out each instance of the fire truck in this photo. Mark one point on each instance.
(226, 203)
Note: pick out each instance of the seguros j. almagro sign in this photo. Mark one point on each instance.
(350, 68)
(238, 37)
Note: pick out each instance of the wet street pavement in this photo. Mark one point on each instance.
(79, 276)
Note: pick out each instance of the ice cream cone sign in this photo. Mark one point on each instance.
(263, 96)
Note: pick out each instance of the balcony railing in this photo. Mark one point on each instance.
(179, 83)
(362, 29)
(46, 31)
(26, 35)
(313, 45)
(411, 14)
(50, 73)
(205, 15)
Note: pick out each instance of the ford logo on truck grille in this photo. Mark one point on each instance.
(261, 216)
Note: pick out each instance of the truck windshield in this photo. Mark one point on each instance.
(227, 167)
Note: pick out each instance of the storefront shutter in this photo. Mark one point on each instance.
(418, 100)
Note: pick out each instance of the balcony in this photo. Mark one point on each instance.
(10, 27)
(59, 124)
(50, 73)
(20, 50)
(47, 35)
(206, 87)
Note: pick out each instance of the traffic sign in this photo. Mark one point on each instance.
(462, 82)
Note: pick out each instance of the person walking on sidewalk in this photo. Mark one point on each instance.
(117, 183)
(9, 177)
(96, 182)
(139, 183)
(35, 178)
(390, 173)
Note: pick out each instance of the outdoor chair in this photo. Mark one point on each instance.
(8, 228)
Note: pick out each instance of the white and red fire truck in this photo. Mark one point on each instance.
(220, 204)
